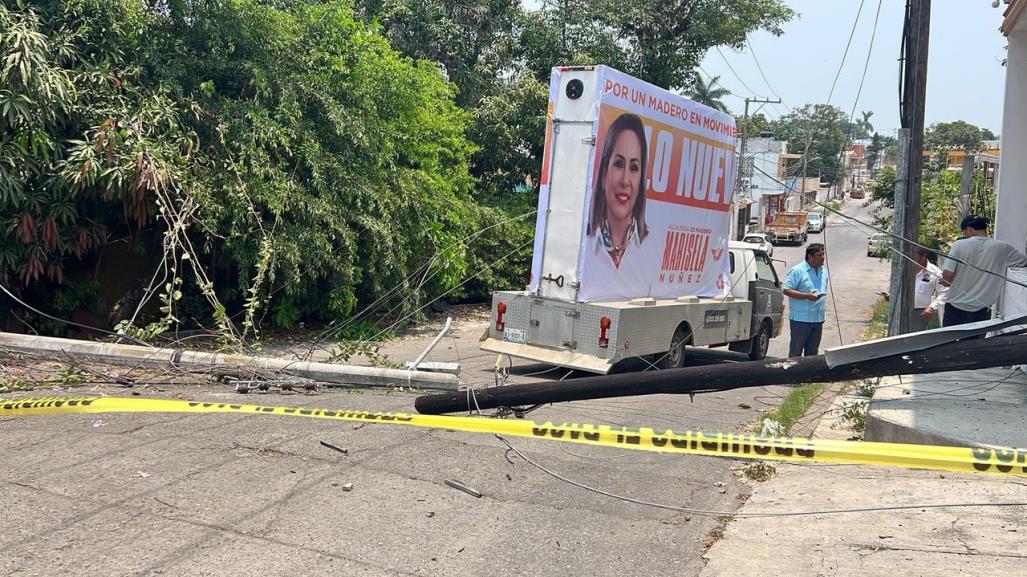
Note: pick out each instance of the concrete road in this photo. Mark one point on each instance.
(173, 494)
(855, 278)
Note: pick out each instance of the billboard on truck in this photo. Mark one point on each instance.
(655, 215)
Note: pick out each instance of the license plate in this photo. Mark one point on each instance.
(514, 336)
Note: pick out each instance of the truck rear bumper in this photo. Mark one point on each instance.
(569, 359)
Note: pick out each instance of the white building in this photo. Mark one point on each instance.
(1011, 216)
(761, 174)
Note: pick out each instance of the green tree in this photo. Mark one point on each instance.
(755, 124)
(285, 147)
(958, 135)
(821, 127)
(709, 94)
(883, 187)
(663, 41)
(472, 40)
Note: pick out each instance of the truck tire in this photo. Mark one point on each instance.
(675, 357)
(760, 342)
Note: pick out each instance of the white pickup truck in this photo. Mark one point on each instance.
(595, 298)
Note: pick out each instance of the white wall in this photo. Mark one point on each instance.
(1011, 216)
(765, 153)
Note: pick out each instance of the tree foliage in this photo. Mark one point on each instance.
(958, 135)
(326, 168)
(821, 128)
(883, 187)
(296, 158)
(709, 94)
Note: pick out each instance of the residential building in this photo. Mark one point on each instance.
(761, 175)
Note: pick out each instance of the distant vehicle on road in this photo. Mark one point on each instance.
(815, 221)
(857, 193)
(788, 226)
(878, 244)
(760, 242)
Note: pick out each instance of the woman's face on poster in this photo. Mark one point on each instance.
(623, 175)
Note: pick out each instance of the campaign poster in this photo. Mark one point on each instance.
(660, 192)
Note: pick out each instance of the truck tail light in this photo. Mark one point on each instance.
(500, 311)
(604, 325)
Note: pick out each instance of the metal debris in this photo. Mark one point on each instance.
(461, 487)
(334, 448)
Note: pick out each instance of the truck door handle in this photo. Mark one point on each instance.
(558, 280)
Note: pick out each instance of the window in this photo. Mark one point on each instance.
(765, 270)
(732, 262)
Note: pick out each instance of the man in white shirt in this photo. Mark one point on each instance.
(930, 294)
(976, 271)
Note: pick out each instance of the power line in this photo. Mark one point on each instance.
(737, 514)
(732, 69)
(760, 68)
(846, 53)
(901, 238)
(736, 75)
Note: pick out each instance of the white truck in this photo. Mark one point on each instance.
(601, 293)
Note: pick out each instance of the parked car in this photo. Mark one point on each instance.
(761, 243)
(879, 244)
(857, 193)
(815, 221)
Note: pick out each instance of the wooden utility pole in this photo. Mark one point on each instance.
(914, 94)
(956, 356)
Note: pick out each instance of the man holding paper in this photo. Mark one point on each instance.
(805, 287)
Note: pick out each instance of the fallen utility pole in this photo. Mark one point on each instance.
(323, 372)
(956, 356)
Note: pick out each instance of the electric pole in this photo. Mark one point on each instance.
(906, 222)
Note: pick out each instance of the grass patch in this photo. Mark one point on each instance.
(795, 405)
(878, 323)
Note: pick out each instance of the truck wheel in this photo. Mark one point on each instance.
(675, 357)
(760, 342)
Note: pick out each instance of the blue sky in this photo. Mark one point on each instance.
(965, 79)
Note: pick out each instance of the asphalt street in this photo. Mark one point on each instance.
(171, 494)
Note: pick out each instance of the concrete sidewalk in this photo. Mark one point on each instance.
(964, 409)
(974, 408)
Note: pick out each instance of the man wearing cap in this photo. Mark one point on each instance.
(975, 272)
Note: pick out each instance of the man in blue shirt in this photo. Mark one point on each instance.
(805, 288)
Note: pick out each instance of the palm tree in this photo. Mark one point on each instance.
(709, 94)
(864, 122)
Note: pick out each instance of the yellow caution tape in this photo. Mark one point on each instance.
(957, 459)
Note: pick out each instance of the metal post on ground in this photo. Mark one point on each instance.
(965, 184)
